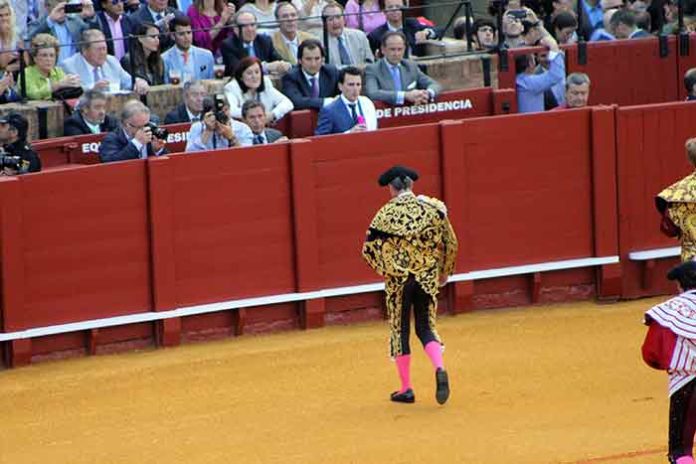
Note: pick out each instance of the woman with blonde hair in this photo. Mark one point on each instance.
(209, 21)
(9, 41)
(43, 77)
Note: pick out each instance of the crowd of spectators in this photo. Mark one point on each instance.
(78, 47)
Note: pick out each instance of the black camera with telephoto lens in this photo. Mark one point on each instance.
(158, 132)
(217, 106)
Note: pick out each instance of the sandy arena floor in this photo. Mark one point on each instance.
(557, 384)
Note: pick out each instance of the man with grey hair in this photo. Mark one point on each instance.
(90, 117)
(577, 91)
(190, 109)
(134, 139)
(99, 70)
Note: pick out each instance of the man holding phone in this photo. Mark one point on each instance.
(65, 21)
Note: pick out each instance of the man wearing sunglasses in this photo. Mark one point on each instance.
(117, 26)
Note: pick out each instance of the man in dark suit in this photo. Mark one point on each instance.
(190, 110)
(110, 18)
(246, 42)
(415, 32)
(159, 13)
(350, 112)
(623, 22)
(134, 140)
(254, 115)
(311, 84)
(90, 117)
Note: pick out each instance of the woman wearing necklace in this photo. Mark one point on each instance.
(264, 10)
(210, 21)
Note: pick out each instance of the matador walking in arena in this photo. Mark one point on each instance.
(411, 244)
(670, 345)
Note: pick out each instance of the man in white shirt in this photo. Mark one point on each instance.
(350, 112)
(347, 47)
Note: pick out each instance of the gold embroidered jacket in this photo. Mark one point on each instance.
(412, 235)
(679, 202)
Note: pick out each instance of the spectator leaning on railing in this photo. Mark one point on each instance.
(396, 80)
(249, 83)
(190, 62)
(311, 84)
(90, 116)
(99, 70)
(134, 139)
(347, 47)
(254, 115)
(190, 109)
(288, 38)
(43, 78)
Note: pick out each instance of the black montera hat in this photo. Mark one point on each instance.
(684, 272)
(397, 172)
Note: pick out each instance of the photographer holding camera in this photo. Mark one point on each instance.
(17, 157)
(137, 137)
(216, 129)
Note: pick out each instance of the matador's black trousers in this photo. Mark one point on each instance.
(414, 297)
(682, 421)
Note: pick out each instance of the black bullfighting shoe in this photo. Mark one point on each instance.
(443, 391)
(405, 397)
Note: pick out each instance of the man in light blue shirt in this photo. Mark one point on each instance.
(211, 134)
(531, 86)
(66, 28)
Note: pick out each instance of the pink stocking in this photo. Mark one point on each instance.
(403, 365)
(434, 351)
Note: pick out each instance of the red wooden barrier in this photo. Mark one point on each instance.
(54, 152)
(650, 141)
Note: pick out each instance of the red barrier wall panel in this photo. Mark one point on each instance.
(54, 152)
(232, 224)
(345, 172)
(628, 72)
(526, 184)
(650, 157)
(85, 250)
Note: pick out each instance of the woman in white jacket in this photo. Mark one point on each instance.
(249, 83)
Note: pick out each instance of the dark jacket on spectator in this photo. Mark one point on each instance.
(22, 149)
(409, 27)
(298, 90)
(117, 147)
(233, 51)
(177, 115)
(127, 27)
(76, 125)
